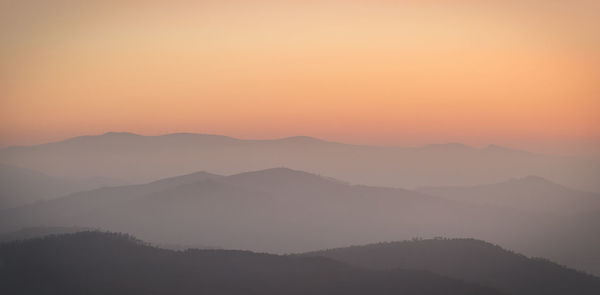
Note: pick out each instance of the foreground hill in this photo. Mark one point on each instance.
(137, 158)
(40, 232)
(472, 261)
(105, 263)
(529, 193)
(287, 211)
(20, 186)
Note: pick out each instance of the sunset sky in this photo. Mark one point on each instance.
(523, 74)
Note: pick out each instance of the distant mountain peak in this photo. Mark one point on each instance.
(103, 136)
(283, 175)
(448, 145)
(277, 171)
(188, 178)
(199, 135)
(113, 133)
(301, 138)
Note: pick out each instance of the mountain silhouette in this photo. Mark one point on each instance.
(471, 261)
(139, 159)
(107, 263)
(40, 232)
(280, 210)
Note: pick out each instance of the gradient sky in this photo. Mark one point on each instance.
(523, 74)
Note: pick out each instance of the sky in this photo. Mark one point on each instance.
(522, 74)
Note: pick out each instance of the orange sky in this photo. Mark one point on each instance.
(517, 73)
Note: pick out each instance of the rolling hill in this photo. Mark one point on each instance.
(106, 263)
(471, 261)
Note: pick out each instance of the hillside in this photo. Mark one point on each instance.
(472, 261)
(39, 232)
(107, 263)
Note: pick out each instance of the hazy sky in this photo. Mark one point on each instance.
(518, 73)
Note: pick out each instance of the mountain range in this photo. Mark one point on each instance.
(471, 261)
(106, 263)
(137, 159)
(93, 262)
(280, 210)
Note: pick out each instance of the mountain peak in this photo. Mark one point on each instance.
(188, 178)
(114, 134)
(277, 171)
(448, 145)
(301, 139)
(281, 176)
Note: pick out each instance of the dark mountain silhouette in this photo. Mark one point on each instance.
(105, 263)
(529, 193)
(44, 231)
(139, 159)
(281, 210)
(40, 232)
(20, 186)
(471, 261)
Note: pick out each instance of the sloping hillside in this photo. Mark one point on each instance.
(472, 261)
(105, 263)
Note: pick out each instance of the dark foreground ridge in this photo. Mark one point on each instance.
(109, 263)
(471, 261)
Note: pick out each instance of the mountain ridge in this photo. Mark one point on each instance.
(121, 264)
(292, 211)
(297, 138)
(140, 159)
(470, 260)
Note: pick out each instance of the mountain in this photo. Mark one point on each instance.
(106, 263)
(20, 186)
(139, 159)
(471, 261)
(529, 193)
(281, 210)
(44, 231)
(39, 232)
(289, 210)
